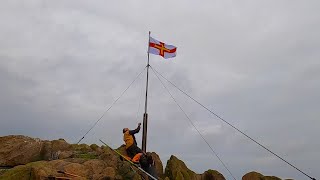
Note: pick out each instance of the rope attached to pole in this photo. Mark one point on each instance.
(111, 105)
(214, 153)
(140, 97)
(220, 118)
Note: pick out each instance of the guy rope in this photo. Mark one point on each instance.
(169, 51)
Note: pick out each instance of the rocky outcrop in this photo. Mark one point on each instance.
(271, 178)
(28, 155)
(257, 176)
(90, 169)
(16, 150)
(212, 175)
(107, 166)
(19, 150)
(55, 149)
(158, 164)
(177, 170)
(253, 176)
(37, 159)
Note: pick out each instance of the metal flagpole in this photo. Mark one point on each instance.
(145, 115)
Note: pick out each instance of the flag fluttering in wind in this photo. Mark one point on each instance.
(159, 48)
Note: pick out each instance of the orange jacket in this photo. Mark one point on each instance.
(129, 138)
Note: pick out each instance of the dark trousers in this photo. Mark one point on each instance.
(133, 150)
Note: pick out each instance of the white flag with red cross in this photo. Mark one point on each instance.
(159, 48)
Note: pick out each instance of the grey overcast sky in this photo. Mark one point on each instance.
(256, 63)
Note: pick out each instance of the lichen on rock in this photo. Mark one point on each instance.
(37, 159)
(177, 170)
(258, 176)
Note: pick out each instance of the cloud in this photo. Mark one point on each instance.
(254, 63)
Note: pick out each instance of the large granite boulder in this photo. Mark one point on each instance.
(91, 169)
(212, 175)
(177, 170)
(258, 176)
(56, 149)
(253, 176)
(271, 178)
(17, 150)
(33, 158)
(158, 164)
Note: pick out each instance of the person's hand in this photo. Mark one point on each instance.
(139, 124)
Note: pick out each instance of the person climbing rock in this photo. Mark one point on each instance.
(130, 140)
(135, 153)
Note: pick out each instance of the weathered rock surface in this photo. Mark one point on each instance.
(271, 178)
(177, 170)
(158, 164)
(37, 159)
(29, 156)
(90, 169)
(212, 175)
(257, 176)
(16, 150)
(252, 176)
(95, 169)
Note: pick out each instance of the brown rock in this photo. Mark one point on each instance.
(271, 178)
(124, 169)
(110, 157)
(83, 148)
(16, 150)
(158, 164)
(46, 150)
(176, 170)
(95, 166)
(21, 172)
(75, 168)
(65, 154)
(94, 147)
(59, 164)
(88, 162)
(91, 169)
(41, 170)
(76, 160)
(60, 145)
(257, 176)
(212, 175)
(40, 174)
(122, 150)
(253, 176)
(52, 150)
(109, 172)
(22, 150)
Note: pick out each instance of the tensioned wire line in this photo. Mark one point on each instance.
(114, 102)
(220, 118)
(141, 93)
(214, 153)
